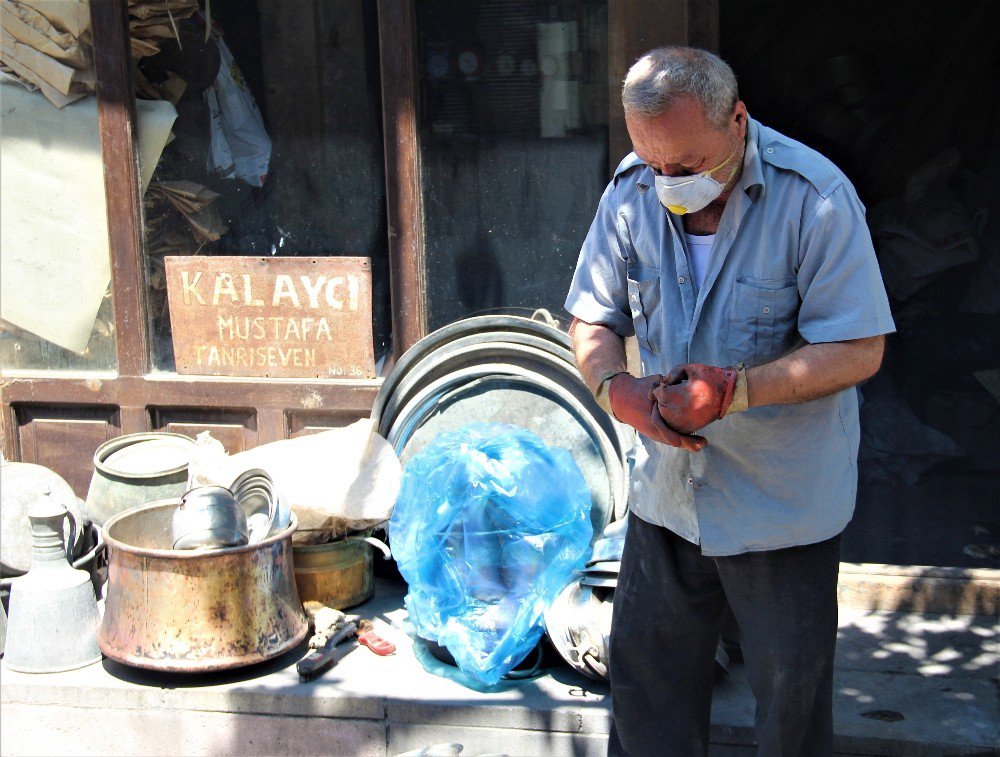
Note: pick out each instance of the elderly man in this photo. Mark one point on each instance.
(741, 261)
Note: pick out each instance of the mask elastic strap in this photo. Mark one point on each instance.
(731, 156)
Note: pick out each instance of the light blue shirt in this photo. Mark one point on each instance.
(792, 263)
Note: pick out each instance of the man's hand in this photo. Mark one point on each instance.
(693, 395)
(632, 402)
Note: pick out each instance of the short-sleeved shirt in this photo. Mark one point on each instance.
(792, 263)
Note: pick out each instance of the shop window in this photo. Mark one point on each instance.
(894, 93)
(275, 151)
(55, 273)
(513, 124)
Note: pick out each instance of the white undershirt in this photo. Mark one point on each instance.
(700, 247)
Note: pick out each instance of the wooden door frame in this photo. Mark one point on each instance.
(404, 198)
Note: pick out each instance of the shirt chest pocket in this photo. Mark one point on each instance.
(644, 302)
(763, 321)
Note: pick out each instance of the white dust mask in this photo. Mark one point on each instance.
(689, 194)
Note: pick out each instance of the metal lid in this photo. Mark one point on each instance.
(524, 349)
(612, 567)
(599, 581)
(515, 358)
(26, 486)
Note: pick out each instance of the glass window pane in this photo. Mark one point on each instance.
(514, 148)
(55, 299)
(276, 149)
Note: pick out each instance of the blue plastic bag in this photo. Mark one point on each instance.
(489, 526)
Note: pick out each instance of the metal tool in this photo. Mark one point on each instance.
(331, 627)
(368, 638)
(320, 660)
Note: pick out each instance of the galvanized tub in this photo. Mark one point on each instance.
(134, 469)
(193, 612)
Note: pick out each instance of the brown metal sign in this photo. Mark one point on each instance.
(272, 317)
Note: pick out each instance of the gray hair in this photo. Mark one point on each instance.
(666, 73)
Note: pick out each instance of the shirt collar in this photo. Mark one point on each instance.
(752, 179)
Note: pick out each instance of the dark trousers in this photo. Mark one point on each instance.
(668, 610)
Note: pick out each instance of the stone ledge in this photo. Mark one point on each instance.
(917, 588)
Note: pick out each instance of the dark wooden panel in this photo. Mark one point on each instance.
(42, 416)
(635, 27)
(8, 428)
(235, 428)
(64, 439)
(703, 24)
(302, 423)
(407, 272)
(116, 118)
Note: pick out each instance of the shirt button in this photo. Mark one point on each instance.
(680, 279)
(770, 149)
(635, 298)
(765, 310)
(690, 480)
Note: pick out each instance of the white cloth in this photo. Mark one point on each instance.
(700, 247)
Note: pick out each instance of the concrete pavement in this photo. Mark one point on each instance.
(906, 683)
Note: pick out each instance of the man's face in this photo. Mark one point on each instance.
(682, 142)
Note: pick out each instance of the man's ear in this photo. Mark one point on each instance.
(740, 113)
(740, 117)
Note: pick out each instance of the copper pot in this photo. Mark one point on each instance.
(338, 574)
(186, 611)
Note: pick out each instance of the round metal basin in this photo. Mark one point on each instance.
(472, 350)
(498, 393)
(193, 612)
(493, 327)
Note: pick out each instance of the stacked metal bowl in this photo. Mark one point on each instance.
(513, 370)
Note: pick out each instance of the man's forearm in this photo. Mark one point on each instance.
(598, 350)
(814, 371)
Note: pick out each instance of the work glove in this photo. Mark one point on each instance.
(632, 402)
(692, 395)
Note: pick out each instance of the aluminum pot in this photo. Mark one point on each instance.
(209, 517)
(193, 612)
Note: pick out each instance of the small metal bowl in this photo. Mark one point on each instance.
(254, 490)
(607, 550)
(209, 517)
